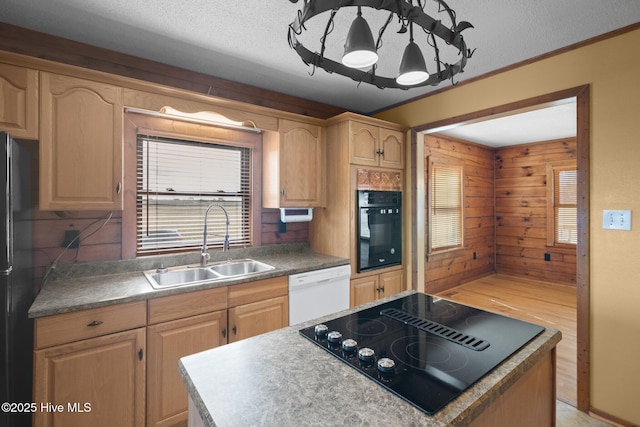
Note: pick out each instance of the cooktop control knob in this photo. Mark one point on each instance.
(366, 355)
(334, 337)
(386, 365)
(321, 331)
(349, 345)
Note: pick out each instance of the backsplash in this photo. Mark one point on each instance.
(105, 244)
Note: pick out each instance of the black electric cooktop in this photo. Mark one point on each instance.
(425, 350)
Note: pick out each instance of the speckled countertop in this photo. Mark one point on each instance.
(89, 285)
(280, 379)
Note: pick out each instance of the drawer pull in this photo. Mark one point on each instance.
(95, 323)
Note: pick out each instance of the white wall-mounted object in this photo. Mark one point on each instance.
(616, 220)
(296, 214)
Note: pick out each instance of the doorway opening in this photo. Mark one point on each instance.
(579, 97)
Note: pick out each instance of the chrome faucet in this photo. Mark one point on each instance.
(204, 252)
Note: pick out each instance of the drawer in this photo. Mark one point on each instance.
(259, 290)
(95, 322)
(188, 304)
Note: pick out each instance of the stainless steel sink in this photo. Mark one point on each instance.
(183, 276)
(240, 267)
(180, 276)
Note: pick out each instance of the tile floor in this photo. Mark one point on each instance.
(568, 416)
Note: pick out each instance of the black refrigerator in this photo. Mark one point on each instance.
(16, 282)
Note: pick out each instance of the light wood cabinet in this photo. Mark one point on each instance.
(294, 166)
(179, 325)
(167, 342)
(370, 288)
(92, 362)
(128, 373)
(352, 141)
(19, 101)
(80, 144)
(372, 145)
(189, 323)
(258, 307)
(257, 318)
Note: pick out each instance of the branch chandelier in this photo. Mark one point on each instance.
(359, 61)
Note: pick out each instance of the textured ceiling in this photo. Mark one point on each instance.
(246, 41)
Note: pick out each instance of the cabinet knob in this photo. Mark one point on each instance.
(234, 330)
(118, 188)
(282, 193)
(224, 332)
(95, 323)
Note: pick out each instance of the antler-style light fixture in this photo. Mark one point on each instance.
(362, 54)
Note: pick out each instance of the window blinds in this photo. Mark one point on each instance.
(446, 207)
(177, 180)
(565, 203)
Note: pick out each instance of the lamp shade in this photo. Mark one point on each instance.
(413, 69)
(359, 48)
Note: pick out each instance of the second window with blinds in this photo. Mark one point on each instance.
(444, 204)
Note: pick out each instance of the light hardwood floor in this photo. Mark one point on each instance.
(549, 305)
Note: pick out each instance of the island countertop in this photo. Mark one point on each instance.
(279, 378)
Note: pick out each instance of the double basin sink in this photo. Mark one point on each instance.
(189, 275)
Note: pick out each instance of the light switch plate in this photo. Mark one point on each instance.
(616, 220)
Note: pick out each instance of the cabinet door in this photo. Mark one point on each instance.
(364, 289)
(256, 318)
(391, 149)
(167, 343)
(19, 101)
(80, 144)
(95, 382)
(363, 144)
(391, 283)
(302, 165)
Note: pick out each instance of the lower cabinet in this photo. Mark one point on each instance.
(376, 286)
(256, 318)
(89, 367)
(103, 367)
(258, 307)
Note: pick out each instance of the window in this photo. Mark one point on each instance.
(562, 228)
(444, 205)
(177, 180)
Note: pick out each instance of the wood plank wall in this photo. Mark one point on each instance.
(521, 212)
(447, 270)
(106, 244)
(505, 214)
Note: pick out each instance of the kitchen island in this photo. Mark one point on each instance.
(280, 378)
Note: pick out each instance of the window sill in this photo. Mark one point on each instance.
(444, 254)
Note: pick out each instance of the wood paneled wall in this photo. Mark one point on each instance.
(446, 270)
(106, 244)
(521, 212)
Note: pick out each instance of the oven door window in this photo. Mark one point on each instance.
(379, 238)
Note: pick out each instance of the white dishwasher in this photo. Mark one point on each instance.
(317, 293)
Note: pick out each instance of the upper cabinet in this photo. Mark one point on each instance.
(372, 145)
(80, 144)
(294, 166)
(19, 101)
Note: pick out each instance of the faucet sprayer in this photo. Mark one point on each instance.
(204, 252)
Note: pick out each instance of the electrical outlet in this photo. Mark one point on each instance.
(71, 239)
(616, 220)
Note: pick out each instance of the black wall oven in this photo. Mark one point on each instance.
(379, 235)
